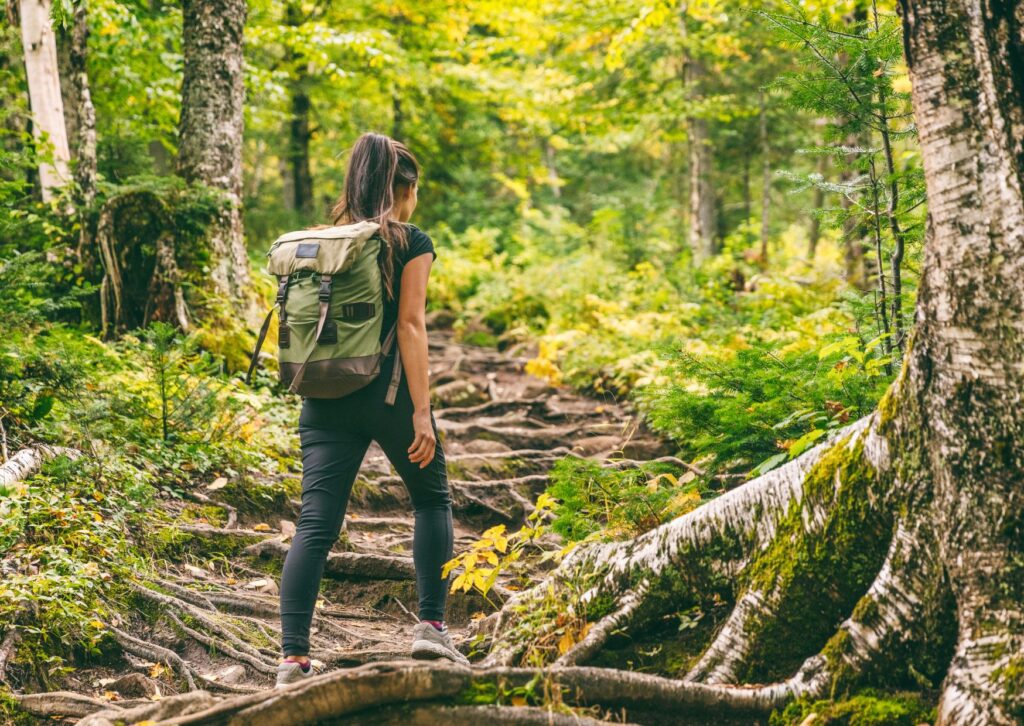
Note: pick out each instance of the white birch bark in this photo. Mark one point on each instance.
(40, 48)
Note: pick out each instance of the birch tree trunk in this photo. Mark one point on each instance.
(936, 475)
(40, 48)
(210, 127)
(965, 377)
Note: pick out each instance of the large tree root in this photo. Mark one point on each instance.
(374, 686)
(724, 527)
(153, 652)
(346, 564)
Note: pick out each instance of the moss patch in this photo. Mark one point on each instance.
(866, 709)
(822, 575)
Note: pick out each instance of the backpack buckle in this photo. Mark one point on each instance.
(325, 289)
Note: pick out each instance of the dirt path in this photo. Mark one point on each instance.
(217, 600)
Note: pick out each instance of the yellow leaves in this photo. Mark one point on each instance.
(565, 642)
(494, 553)
(157, 669)
(262, 527)
(570, 638)
(545, 370)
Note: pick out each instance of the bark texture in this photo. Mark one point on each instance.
(210, 127)
(300, 185)
(965, 378)
(40, 48)
(702, 194)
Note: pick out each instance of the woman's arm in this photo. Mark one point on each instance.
(412, 343)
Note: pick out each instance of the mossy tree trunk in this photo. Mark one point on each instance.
(210, 128)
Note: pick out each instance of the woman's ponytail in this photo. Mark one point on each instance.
(378, 166)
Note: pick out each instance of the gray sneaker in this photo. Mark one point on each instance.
(289, 673)
(429, 643)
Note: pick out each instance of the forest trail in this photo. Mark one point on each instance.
(216, 599)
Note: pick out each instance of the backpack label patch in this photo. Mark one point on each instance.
(307, 250)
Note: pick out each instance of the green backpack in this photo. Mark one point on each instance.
(331, 303)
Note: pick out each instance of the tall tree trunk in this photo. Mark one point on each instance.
(210, 127)
(80, 119)
(702, 195)
(966, 368)
(766, 178)
(40, 48)
(298, 148)
(300, 185)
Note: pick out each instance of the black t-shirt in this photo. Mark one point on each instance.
(419, 243)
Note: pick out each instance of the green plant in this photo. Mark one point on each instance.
(595, 499)
(496, 553)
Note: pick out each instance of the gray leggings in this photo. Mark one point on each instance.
(335, 435)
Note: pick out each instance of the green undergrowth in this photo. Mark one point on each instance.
(153, 416)
(870, 708)
(620, 503)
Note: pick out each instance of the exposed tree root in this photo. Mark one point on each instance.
(62, 704)
(723, 527)
(156, 712)
(256, 661)
(432, 714)
(721, 660)
(346, 564)
(370, 687)
(156, 653)
(552, 454)
(599, 633)
(230, 642)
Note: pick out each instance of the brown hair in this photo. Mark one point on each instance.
(378, 166)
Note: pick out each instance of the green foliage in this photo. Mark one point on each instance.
(866, 709)
(64, 552)
(763, 404)
(619, 503)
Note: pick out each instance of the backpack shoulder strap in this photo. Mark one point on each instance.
(282, 293)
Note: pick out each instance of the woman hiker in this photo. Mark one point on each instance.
(380, 186)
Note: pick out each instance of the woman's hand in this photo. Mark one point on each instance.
(423, 441)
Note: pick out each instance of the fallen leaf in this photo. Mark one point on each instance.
(262, 527)
(218, 483)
